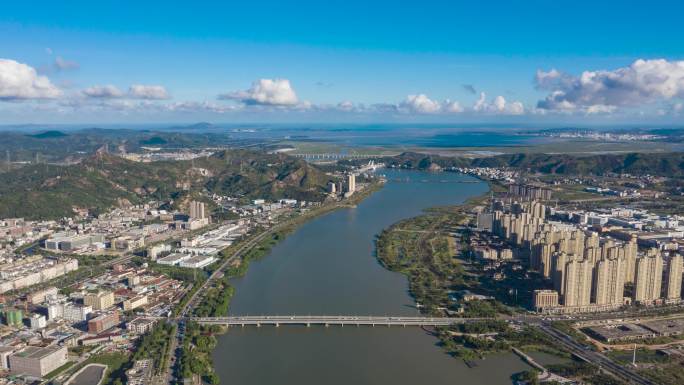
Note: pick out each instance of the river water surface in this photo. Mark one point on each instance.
(327, 267)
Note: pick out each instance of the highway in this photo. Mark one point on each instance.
(591, 356)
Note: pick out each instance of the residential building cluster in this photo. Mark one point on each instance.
(26, 271)
(39, 326)
(345, 187)
(491, 173)
(591, 268)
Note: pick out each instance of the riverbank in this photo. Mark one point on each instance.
(430, 250)
(200, 341)
(328, 267)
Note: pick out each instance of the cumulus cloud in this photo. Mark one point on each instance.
(421, 104)
(19, 81)
(453, 107)
(141, 91)
(266, 92)
(642, 82)
(62, 64)
(498, 105)
(103, 92)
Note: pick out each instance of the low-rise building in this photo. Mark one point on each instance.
(103, 322)
(545, 299)
(38, 361)
(135, 302)
(141, 325)
(101, 300)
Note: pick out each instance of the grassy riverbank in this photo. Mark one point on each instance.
(477, 340)
(433, 250)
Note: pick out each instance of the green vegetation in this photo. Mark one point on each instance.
(658, 368)
(671, 373)
(478, 339)
(418, 248)
(195, 359)
(216, 300)
(530, 377)
(663, 164)
(59, 370)
(102, 181)
(155, 345)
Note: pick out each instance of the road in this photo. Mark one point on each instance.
(197, 295)
(332, 320)
(588, 355)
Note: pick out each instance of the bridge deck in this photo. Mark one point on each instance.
(329, 320)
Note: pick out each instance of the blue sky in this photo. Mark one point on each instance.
(342, 61)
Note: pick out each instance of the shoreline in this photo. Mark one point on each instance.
(264, 247)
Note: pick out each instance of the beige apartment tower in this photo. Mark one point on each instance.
(197, 210)
(609, 283)
(351, 183)
(577, 283)
(648, 278)
(674, 278)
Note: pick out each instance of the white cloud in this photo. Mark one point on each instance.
(20, 81)
(103, 92)
(421, 104)
(453, 107)
(643, 82)
(141, 91)
(498, 105)
(516, 108)
(266, 92)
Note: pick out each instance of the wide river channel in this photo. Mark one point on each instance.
(328, 267)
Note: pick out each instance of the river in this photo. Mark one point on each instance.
(327, 267)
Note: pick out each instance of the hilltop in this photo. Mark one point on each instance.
(102, 181)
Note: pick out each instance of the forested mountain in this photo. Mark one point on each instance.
(102, 181)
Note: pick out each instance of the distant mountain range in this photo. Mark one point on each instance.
(662, 164)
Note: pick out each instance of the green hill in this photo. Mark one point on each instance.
(661, 164)
(102, 181)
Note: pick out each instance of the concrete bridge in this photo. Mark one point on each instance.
(330, 320)
(331, 156)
